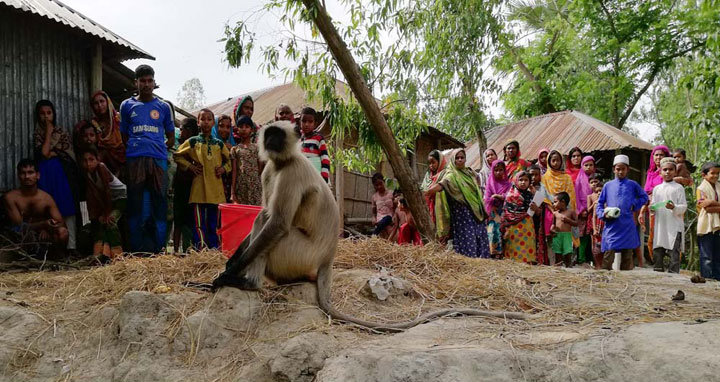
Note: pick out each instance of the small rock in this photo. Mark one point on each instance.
(384, 285)
(679, 296)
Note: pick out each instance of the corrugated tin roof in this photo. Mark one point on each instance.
(61, 13)
(557, 131)
(267, 100)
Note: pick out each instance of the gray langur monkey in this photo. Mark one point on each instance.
(295, 236)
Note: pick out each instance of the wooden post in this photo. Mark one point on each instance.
(340, 181)
(360, 90)
(96, 68)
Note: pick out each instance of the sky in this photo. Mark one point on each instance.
(183, 37)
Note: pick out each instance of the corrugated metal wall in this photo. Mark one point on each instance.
(38, 60)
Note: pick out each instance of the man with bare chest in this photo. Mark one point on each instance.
(34, 214)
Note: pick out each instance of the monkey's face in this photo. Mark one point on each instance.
(277, 141)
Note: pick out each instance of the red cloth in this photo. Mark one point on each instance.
(409, 235)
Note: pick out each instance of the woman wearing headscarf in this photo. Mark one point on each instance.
(572, 163)
(542, 160)
(222, 130)
(56, 163)
(582, 191)
(489, 156)
(436, 164)
(513, 161)
(496, 188)
(517, 226)
(459, 208)
(107, 122)
(653, 179)
(244, 107)
(554, 181)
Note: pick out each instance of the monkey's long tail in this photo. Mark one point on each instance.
(324, 283)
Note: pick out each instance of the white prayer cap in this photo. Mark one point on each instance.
(621, 159)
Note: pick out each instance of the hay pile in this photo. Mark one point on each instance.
(557, 298)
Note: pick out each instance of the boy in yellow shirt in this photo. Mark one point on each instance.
(208, 159)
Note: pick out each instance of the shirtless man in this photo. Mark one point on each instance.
(33, 212)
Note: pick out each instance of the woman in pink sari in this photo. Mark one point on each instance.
(652, 180)
(582, 191)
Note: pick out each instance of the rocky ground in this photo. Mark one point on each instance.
(624, 326)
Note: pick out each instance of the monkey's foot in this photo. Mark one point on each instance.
(233, 281)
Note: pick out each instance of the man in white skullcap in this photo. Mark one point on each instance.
(620, 198)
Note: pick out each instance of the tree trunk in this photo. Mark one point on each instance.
(351, 71)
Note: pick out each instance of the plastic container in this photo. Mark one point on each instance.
(236, 222)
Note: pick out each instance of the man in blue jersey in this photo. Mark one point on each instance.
(147, 127)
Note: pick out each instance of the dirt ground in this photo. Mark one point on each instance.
(134, 320)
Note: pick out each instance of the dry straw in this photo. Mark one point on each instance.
(558, 299)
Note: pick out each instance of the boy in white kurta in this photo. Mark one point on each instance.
(669, 204)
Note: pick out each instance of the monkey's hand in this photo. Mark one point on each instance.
(229, 280)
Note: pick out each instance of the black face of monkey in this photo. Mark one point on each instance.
(274, 139)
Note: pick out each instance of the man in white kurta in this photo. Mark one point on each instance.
(669, 225)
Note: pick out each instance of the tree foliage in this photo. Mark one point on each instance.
(598, 56)
(192, 95)
(425, 69)
(687, 101)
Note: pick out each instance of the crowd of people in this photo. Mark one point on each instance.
(122, 180)
(557, 210)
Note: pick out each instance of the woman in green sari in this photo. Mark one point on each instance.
(459, 209)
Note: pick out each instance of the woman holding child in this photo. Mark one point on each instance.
(459, 208)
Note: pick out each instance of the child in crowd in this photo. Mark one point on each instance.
(557, 180)
(669, 225)
(684, 168)
(208, 159)
(399, 217)
(563, 221)
(182, 182)
(245, 107)
(382, 205)
(617, 204)
(583, 190)
(408, 233)
(222, 131)
(284, 113)
(595, 224)
(496, 188)
(105, 196)
(517, 226)
(88, 135)
(708, 224)
(541, 254)
(313, 143)
(246, 166)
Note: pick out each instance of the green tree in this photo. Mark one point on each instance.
(599, 56)
(428, 71)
